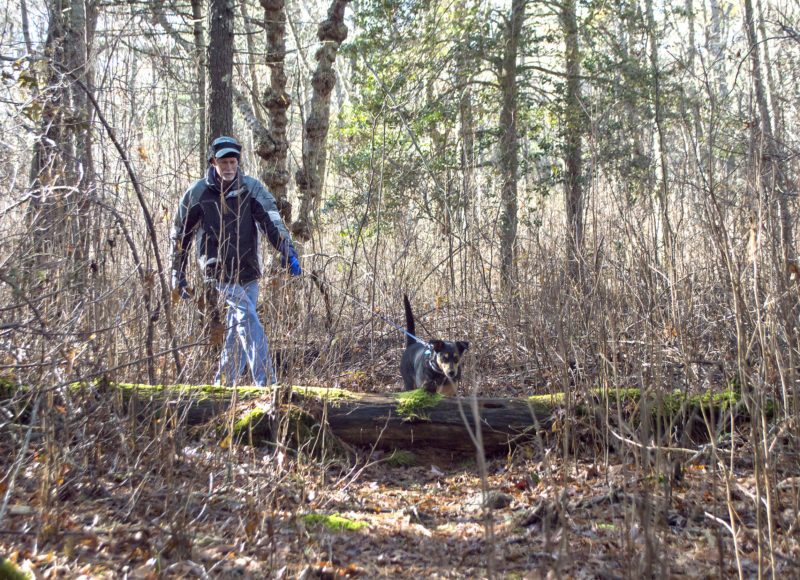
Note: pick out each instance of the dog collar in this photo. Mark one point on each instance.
(432, 362)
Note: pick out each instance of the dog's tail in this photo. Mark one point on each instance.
(409, 321)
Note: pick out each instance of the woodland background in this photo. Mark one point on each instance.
(597, 195)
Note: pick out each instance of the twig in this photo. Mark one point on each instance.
(20, 457)
(151, 230)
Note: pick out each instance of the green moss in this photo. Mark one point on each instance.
(544, 403)
(669, 405)
(10, 572)
(208, 391)
(601, 526)
(400, 458)
(412, 404)
(323, 392)
(8, 386)
(301, 426)
(720, 401)
(622, 394)
(254, 424)
(677, 401)
(335, 522)
(201, 392)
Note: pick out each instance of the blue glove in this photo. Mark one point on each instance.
(294, 266)
(180, 285)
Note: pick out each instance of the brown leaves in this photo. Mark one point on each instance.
(233, 512)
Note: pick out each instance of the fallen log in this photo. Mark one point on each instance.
(411, 421)
(418, 421)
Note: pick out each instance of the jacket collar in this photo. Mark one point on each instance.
(213, 181)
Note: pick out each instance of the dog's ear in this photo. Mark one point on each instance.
(462, 345)
(437, 345)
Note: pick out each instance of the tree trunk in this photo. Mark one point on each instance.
(62, 162)
(509, 146)
(200, 66)
(764, 39)
(467, 132)
(663, 190)
(220, 69)
(768, 161)
(310, 176)
(60, 155)
(573, 141)
(276, 175)
(716, 49)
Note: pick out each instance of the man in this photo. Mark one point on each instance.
(226, 213)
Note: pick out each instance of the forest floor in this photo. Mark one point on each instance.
(211, 510)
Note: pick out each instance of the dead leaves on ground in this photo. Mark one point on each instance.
(232, 513)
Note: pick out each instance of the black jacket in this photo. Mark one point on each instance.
(228, 235)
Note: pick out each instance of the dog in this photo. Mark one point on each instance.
(434, 367)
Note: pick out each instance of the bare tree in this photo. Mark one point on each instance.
(277, 101)
(658, 114)
(62, 160)
(200, 66)
(311, 175)
(573, 140)
(771, 175)
(220, 68)
(509, 144)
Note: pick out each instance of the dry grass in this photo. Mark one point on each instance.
(89, 487)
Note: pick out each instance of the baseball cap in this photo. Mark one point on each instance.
(224, 147)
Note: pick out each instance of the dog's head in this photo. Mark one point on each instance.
(448, 355)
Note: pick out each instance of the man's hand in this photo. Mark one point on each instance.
(294, 266)
(180, 285)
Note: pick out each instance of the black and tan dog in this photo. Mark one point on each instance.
(435, 366)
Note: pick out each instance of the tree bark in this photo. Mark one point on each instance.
(220, 69)
(200, 66)
(375, 420)
(769, 157)
(573, 141)
(663, 190)
(61, 166)
(61, 154)
(277, 101)
(369, 420)
(310, 176)
(509, 146)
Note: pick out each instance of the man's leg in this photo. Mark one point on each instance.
(232, 360)
(223, 333)
(244, 325)
(254, 340)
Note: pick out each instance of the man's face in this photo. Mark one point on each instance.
(226, 168)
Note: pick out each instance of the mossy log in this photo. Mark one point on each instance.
(418, 421)
(195, 404)
(413, 421)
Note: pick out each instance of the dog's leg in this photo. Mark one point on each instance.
(448, 389)
(429, 386)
